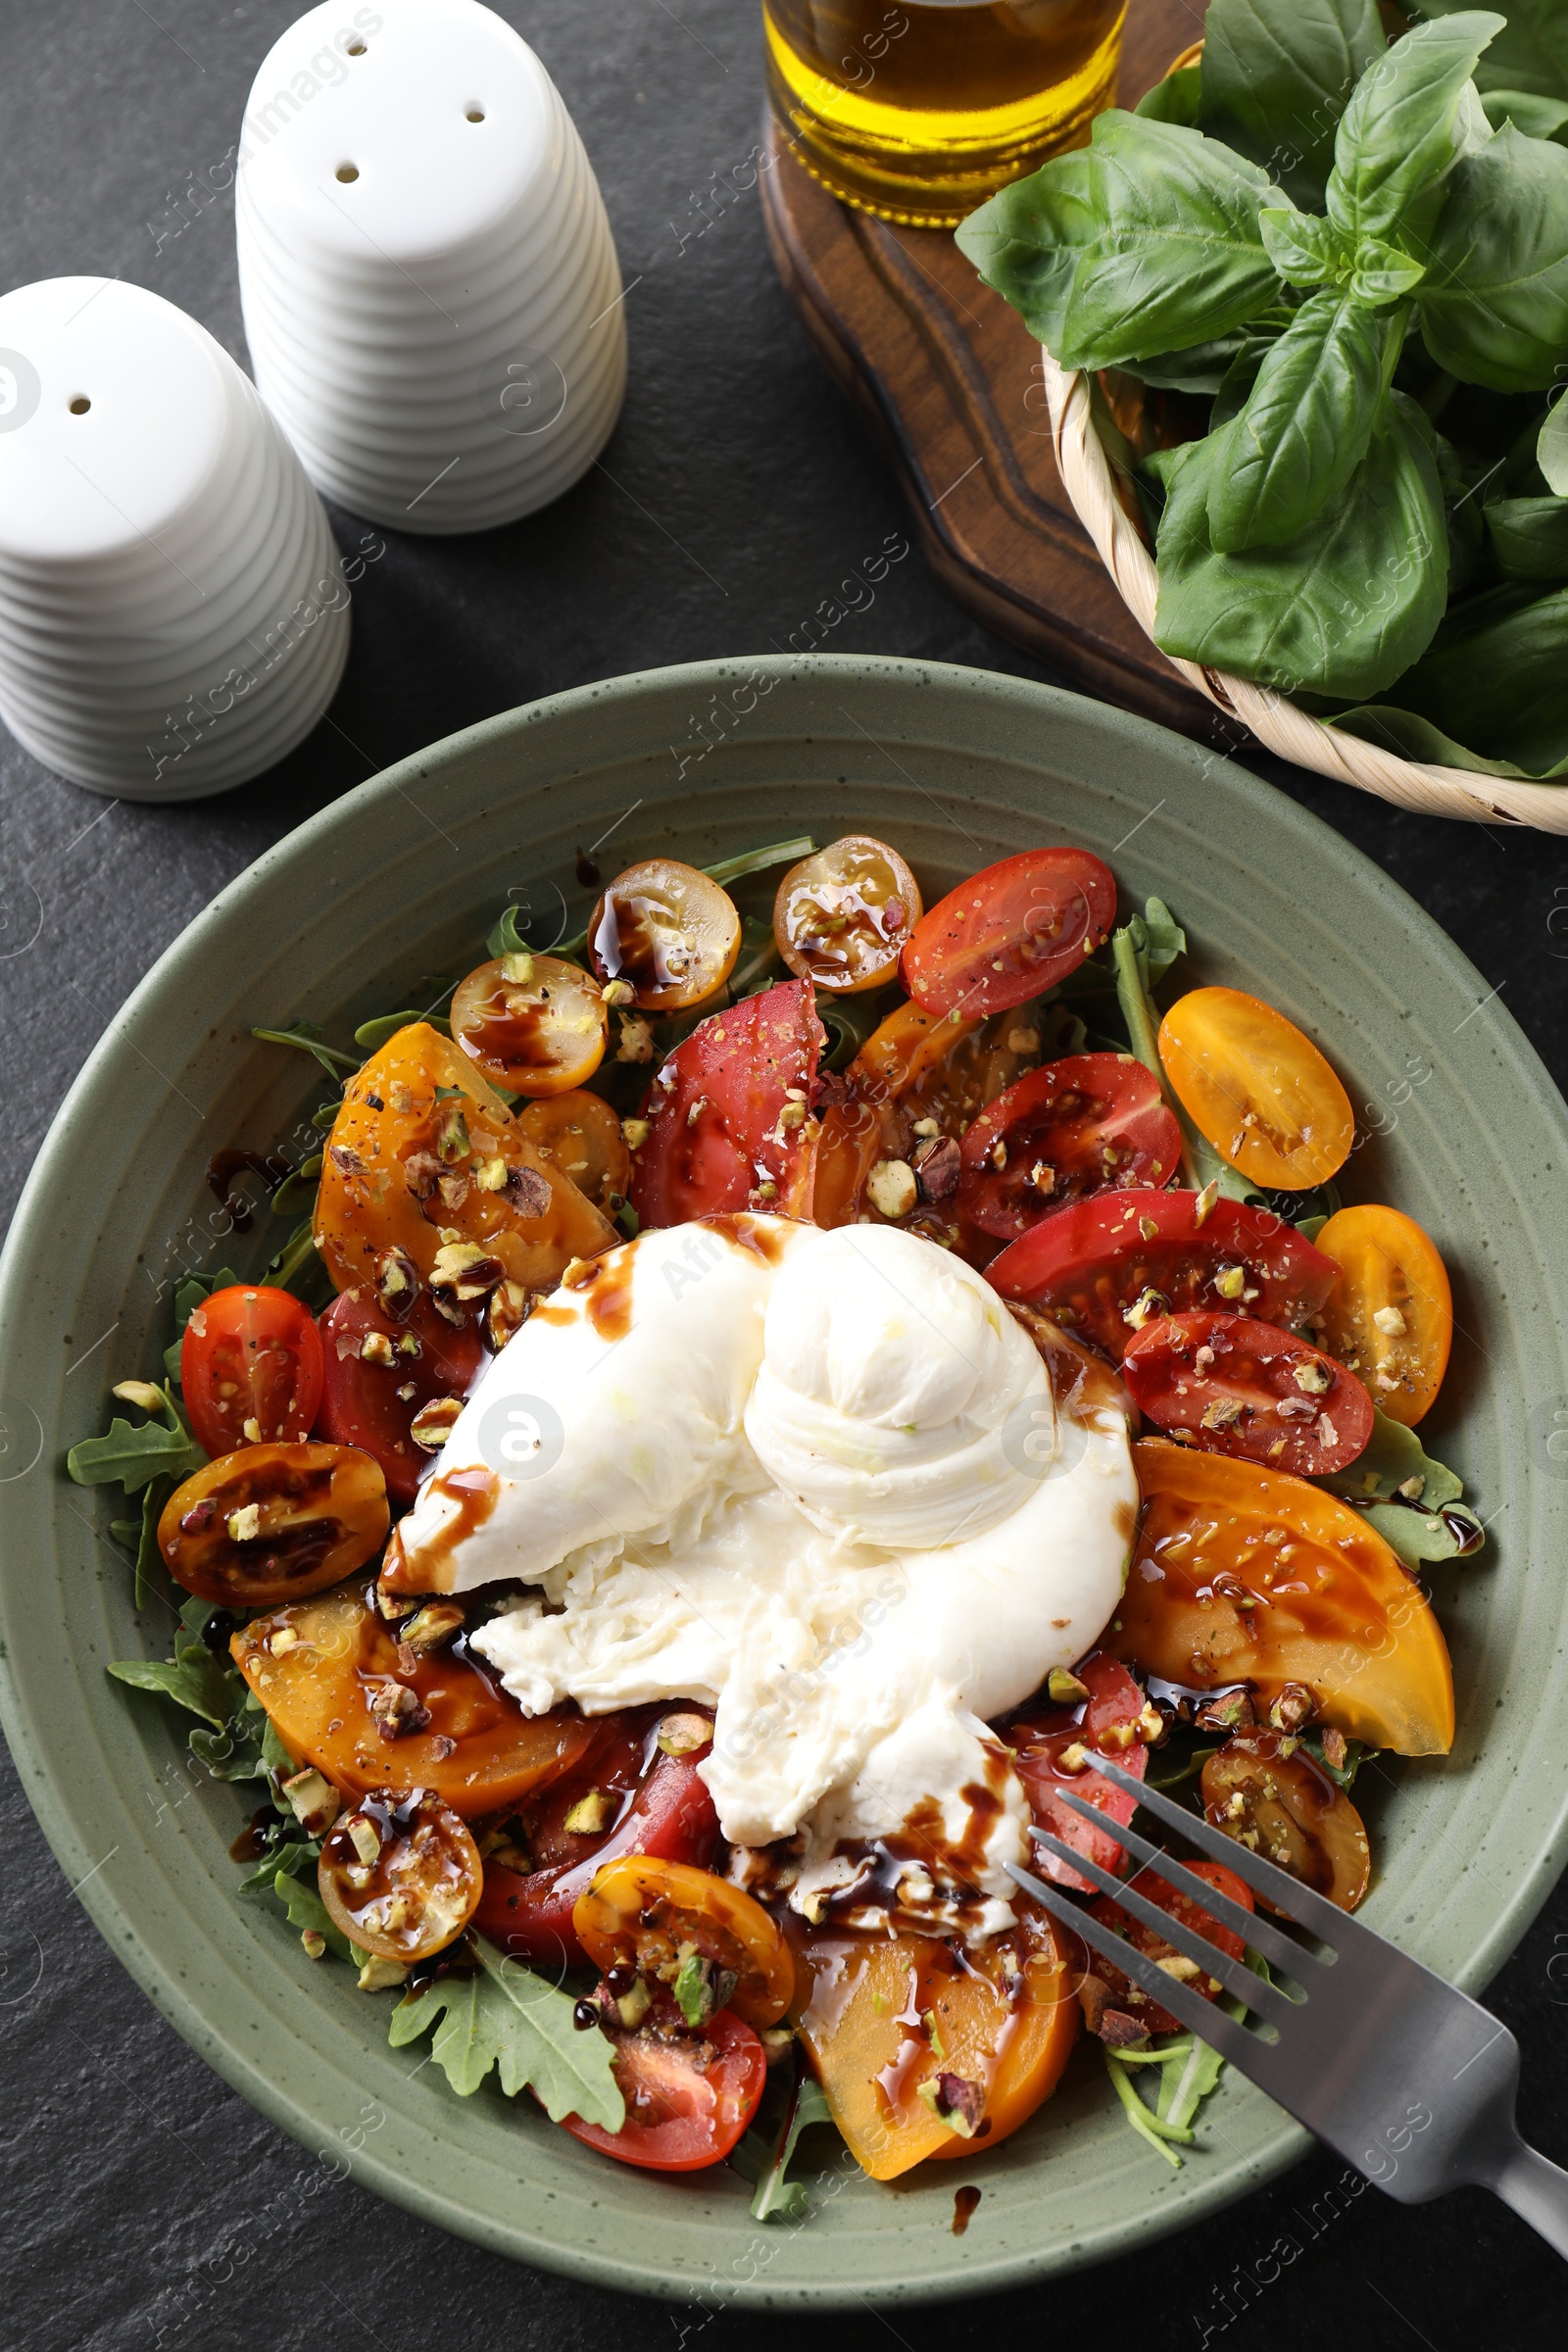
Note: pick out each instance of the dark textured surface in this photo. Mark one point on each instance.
(144, 2204)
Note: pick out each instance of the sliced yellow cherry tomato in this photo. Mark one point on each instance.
(1265, 1791)
(534, 1024)
(668, 932)
(842, 915)
(884, 2018)
(579, 1136)
(401, 1876)
(1247, 1575)
(1390, 1317)
(1259, 1091)
(271, 1523)
(646, 1911)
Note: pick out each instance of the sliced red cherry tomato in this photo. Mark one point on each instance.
(250, 1365)
(1131, 1999)
(661, 1809)
(689, 2096)
(1237, 1386)
(728, 1120)
(1089, 1123)
(1054, 1750)
(381, 1368)
(1011, 932)
(399, 1875)
(1104, 1266)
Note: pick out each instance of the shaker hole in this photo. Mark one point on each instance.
(356, 49)
(348, 170)
(476, 113)
(79, 406)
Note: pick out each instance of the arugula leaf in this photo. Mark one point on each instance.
(309, 1038)
(1396, 135)
(1027, 242)
(1412, 1502)
(1282, 77)
(1551, 449)
(1142, 949)
(1177, 256)
(195, 1683)
(1343, 607)
(306, 1909)
(188, 1299)
(1308, 423)
(1529, 538)
(759, 861)
(506, 2017)
(298, 1189)
(1494, 302)
(1530, 53)
(778, 2199)
(1356, 1752)
(284, 1861)
(132, 1456)
(296, 1267)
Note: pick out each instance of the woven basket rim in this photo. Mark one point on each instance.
(1089, 482)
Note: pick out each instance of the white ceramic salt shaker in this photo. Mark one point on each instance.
(430, 287)
(174, 616)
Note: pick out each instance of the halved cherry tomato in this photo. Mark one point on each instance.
(1054, 1747)
(270, 1522)
(250, 1365)
(330, 1676)
(642, 1910)
(661, 1807)
(1247, 1575)
(1089, 1123)
(399, 1875)
(1390, 1316)
(423, 1146)
(534, 1024)
(579, 1136)
(728, 1120)
(1237, 1386)
(842, 915)
(1104, 1266)
(382, 1367)
(1011, 932)
(689, 2096)
(667, 931)
(1256, 1088)
(1131, 1999)
(883, 2016)
(1265, 1791)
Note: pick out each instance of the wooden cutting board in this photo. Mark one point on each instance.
(950, 380)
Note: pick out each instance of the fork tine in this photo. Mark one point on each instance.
(1322, 1919)
(1259, 1932)
(1260, 1997)
(1203, 2018)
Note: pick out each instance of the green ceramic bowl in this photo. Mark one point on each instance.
(406, 876)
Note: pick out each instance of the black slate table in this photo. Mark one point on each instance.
(145, 2205)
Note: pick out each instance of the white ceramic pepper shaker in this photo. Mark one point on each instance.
(430, 287)
(174, 616)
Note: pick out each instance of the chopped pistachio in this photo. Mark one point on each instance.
(634, 1134)
(1412, 1489)
(1390, 1322)
(927, 1127)
(491, 1174)
(518, 968)
(618, 992)
(1148, 1228)
(1231, 1281)
(636, 1039)
(1314, 1378)
(777, 2043)
(1064, 1687)
(683, 1735)
(253, 1431)
(437, 1622)
(434, 1422)
(1206, 1201)
(363, 1835)
(1074, 1757)
(379, 1976)
(465, 1270)
(892, 1188)
(313, 1800)
(1221, 1411)
(1148, 1302)
(141, 1392)
(591, 1814)
(958, 2103)
(375, 1348)
(632, 2007)
(245, 1523)
(315, 1944)
(283, 1640)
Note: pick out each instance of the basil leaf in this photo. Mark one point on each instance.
(1179, 98)
(1283, 76)
(197, 1683)
(1302, 246)
(1397, 135)
(1538, 118)
(1026, 242)
(509, 2018)
(1307, 424)
(1384, 273)
(1346, 606)
(1201, 370)
(1413, 737)
(1530, 53)
(1530, 538)
(1177, 258)
(1497, 677)
(1495, 304)
(1551, 449)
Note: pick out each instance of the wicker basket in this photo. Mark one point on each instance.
(1091, 484)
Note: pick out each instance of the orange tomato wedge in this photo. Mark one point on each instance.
(1259, 1091)
(1247, 1575)
(643, 1909)
(1389, 1318)
(882, 2015)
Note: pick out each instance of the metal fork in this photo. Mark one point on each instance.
(1405, 2077)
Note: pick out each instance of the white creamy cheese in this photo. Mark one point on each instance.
(816, 1480)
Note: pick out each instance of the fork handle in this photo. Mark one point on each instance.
(1538, 2191)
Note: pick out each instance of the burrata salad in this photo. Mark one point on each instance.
(763, 1397)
